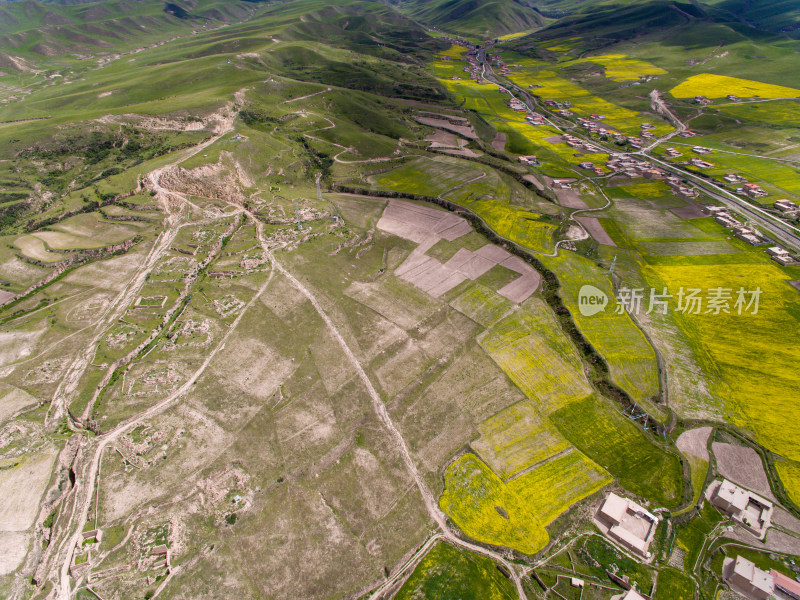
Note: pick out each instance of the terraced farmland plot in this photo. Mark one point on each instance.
(485, 509)
(429, 176)
(481, 304)
(530, 347)
(750, 357)
(516, 438)
(610, 439)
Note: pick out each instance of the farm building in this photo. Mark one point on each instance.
(734, 178)
(701, 150)
(747, 579)
(672, 153)
(784, 586)
(627, 523)
(696, 162)
(529, 159)
(754, 190)
(746, 508)
(785, 206)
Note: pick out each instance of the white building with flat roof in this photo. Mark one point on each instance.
(627, 523)
(747, 579)
(750, 510)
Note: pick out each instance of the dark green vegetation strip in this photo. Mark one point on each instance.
(447, 572)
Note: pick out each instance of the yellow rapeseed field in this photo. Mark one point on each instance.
(789, 472)
(750, 359)
(621, 67)
(514, 514)
(719, 86)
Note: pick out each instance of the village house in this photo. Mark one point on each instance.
(785, 206)
(631, 594)
(751, 511)
(734, 178)
(654, 174)
(733, 98)
(701, 164)
(785, 587)
(627, 523)
(701, 150)
(687, 134)
(746, 234)
(753, 190)
(672, 153)
(687, 191)
(748, 580)
(702, 100)
(529, 159)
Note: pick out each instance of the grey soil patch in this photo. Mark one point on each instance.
(459, 152)
(742, 465)
(534, 181)
(692, 211)
(499, 142)
(427, 226)
(695, 442)
(595, 229)
(570, 199)
(464, 131)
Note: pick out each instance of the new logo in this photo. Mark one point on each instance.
(591, 300)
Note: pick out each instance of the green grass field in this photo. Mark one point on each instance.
(674, 585)
(611, 440)
(447, 572)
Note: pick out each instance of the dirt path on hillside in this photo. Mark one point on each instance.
(379, 407)
(87, 479)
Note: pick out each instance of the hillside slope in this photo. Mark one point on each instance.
(31, 30)
(475, 17)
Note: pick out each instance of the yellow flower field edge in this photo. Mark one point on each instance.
(514, 514)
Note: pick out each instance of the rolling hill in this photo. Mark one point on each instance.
(476, 17)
